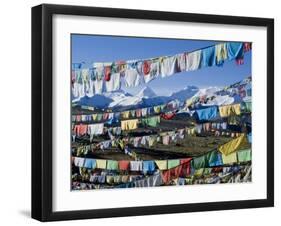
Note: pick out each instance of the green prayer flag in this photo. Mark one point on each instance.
(151, 121)
(207, 171)
(247, 106)
(112, 165)
(173, 163)
(199, 162)
(99, 117)
(199, 172)
(244, 155)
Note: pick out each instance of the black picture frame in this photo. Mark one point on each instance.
(42, 111)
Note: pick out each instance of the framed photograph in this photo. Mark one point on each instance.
(146, 112)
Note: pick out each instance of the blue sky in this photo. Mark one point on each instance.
(93, 48)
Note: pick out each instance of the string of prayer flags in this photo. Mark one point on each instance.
(201, 176)
(209, 159)
(149, 140)
(108, 76)
(110, 117)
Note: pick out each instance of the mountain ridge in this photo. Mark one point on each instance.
(146, 97)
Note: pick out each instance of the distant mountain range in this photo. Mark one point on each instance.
(121, 100)
(145, 98)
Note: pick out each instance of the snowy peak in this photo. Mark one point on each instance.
(146, 92)
(185, 93)
(210, 91)
(123, 101)
(122, 98)
(118, 93)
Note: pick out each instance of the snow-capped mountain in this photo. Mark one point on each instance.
(235, 93)
(110, 100)
(145, 98)
(185, 93)
(215, 97)
(221, 100)
(208, 91)
(146, 92)
(98, 101)
(122, 100)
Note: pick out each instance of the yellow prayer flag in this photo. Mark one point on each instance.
(126, 114)
(129, 124)
(228, 110)
(101, 163)
(233, 145)
(94, 116)
(157, 109)
(188, 102)
(221, 52)
(229, 159)
(161, 164)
